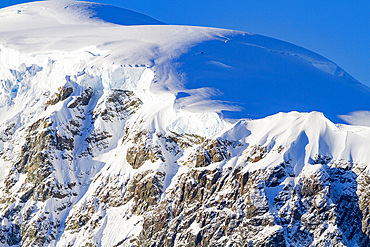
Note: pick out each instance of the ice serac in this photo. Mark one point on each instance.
(115, 131)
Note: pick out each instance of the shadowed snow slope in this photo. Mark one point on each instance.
(266, 76)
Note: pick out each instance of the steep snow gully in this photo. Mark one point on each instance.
(119, 130)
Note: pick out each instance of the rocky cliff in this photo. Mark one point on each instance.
(102, 143)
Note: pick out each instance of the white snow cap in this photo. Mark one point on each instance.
(196, 69)
(54, 12)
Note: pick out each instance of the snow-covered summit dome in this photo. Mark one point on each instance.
(195, 69)
(50, 13)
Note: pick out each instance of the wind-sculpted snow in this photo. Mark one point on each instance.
(115, 135)
(361, 118)
(253, 76)
(264, 76)
(117, 15)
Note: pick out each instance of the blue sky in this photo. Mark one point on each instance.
(338, 30)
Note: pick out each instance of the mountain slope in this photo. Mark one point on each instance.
(254, 76)
(114, 135)
(36, 15)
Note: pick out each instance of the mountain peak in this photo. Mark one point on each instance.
(54, 12)
(118, 133)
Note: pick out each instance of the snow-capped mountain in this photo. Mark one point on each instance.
(119, 130)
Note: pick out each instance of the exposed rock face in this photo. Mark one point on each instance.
(111, 136)
(83, 99)
(119, 104)
(210, 204)
(143, 150)
(62, 94)
(87, 168)
(212, 151)
(232, 208)
(47, 146)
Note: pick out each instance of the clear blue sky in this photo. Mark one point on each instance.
(336, 29)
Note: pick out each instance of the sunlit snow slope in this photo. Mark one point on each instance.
(244, 75)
